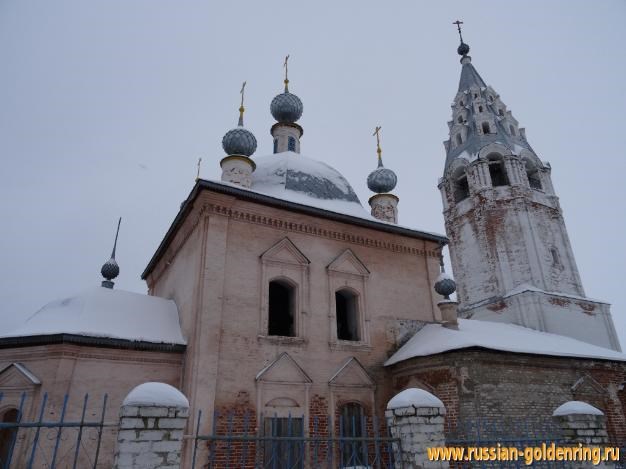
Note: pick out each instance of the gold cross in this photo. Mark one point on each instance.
(286, 74)
(458, 25)
(377, 133)
(243, 88)
(198, 173)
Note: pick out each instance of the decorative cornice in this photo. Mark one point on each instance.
(167, 250)
(35, 340)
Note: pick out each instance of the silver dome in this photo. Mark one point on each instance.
(382, 180)
(110, 269)
(286, 108)
(239, 141)
(445, 285)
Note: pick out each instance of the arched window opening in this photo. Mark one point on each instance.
(462, 103)
(512, 129)
(461, 187)
(486, 129)
(497, 171)
(475, 95)
(281, 320)
(490, 99)
(346, 304)
(460, 120)
(555, 256)
(352, 424)
(501, 112)
(480, 109)
(275, 145)
(7, 435)
(534, 181)
(459, 139)
(291, 144)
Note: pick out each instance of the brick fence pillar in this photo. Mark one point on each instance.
(152, 420)
(416, 417)
(582, 423)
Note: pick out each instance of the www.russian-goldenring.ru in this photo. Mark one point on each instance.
(528, 454)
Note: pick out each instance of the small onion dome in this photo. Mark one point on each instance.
(286, 108)
(463, 49)
(110, 269)
(445, 285)
(382, 180)
(239, 141)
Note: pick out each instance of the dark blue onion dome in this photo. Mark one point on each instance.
(445, 285)
(286, 108)
(382, 180)
(110, 269)
(463, 49)
(239, 141)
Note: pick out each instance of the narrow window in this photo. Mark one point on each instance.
(281, 309)
(291, 144)
(352, 426)
(490, 99)
(555, 256)
(475, 95)
(498, 173)
(485, 127)
(460, 119)
(275, 145)
(461, 103)
(461, 188)
(7, 434)
(279, 451)
(480, 109)
(501, 112)
(346, 304)
(512, 129)
(534, 181)
(459, 139)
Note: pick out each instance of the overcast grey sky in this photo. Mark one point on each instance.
(105, 107)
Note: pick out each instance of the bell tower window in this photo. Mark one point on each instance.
(480, 109)
(459, 139)
(497, 171)
(461, 188)
(275, 145)
(281, 309)
(486, 129)
(291, 144)
(500, 112)
(512, 129)
(460, 120)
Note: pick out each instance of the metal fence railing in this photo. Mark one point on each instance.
(54, 435)
(239, 440)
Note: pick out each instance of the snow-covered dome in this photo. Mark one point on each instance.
(107, 313)
(289, 171)
(382, 180)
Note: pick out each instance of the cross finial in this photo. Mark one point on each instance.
(458, 25)
(198, 172)
(241, 108)
(378, 149)
(286, 74)
(119, 222)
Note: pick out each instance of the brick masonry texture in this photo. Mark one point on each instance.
(150, 437)
(483, 384)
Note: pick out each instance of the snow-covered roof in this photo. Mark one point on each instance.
(107, 313)
(435, 338)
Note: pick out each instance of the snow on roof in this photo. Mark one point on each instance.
(434, 338)
(105, 312)
(576, 407)
(414, 397)
(526, 287)
(296, 178)
(156, 394)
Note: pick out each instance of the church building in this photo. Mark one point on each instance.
(276, 292)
